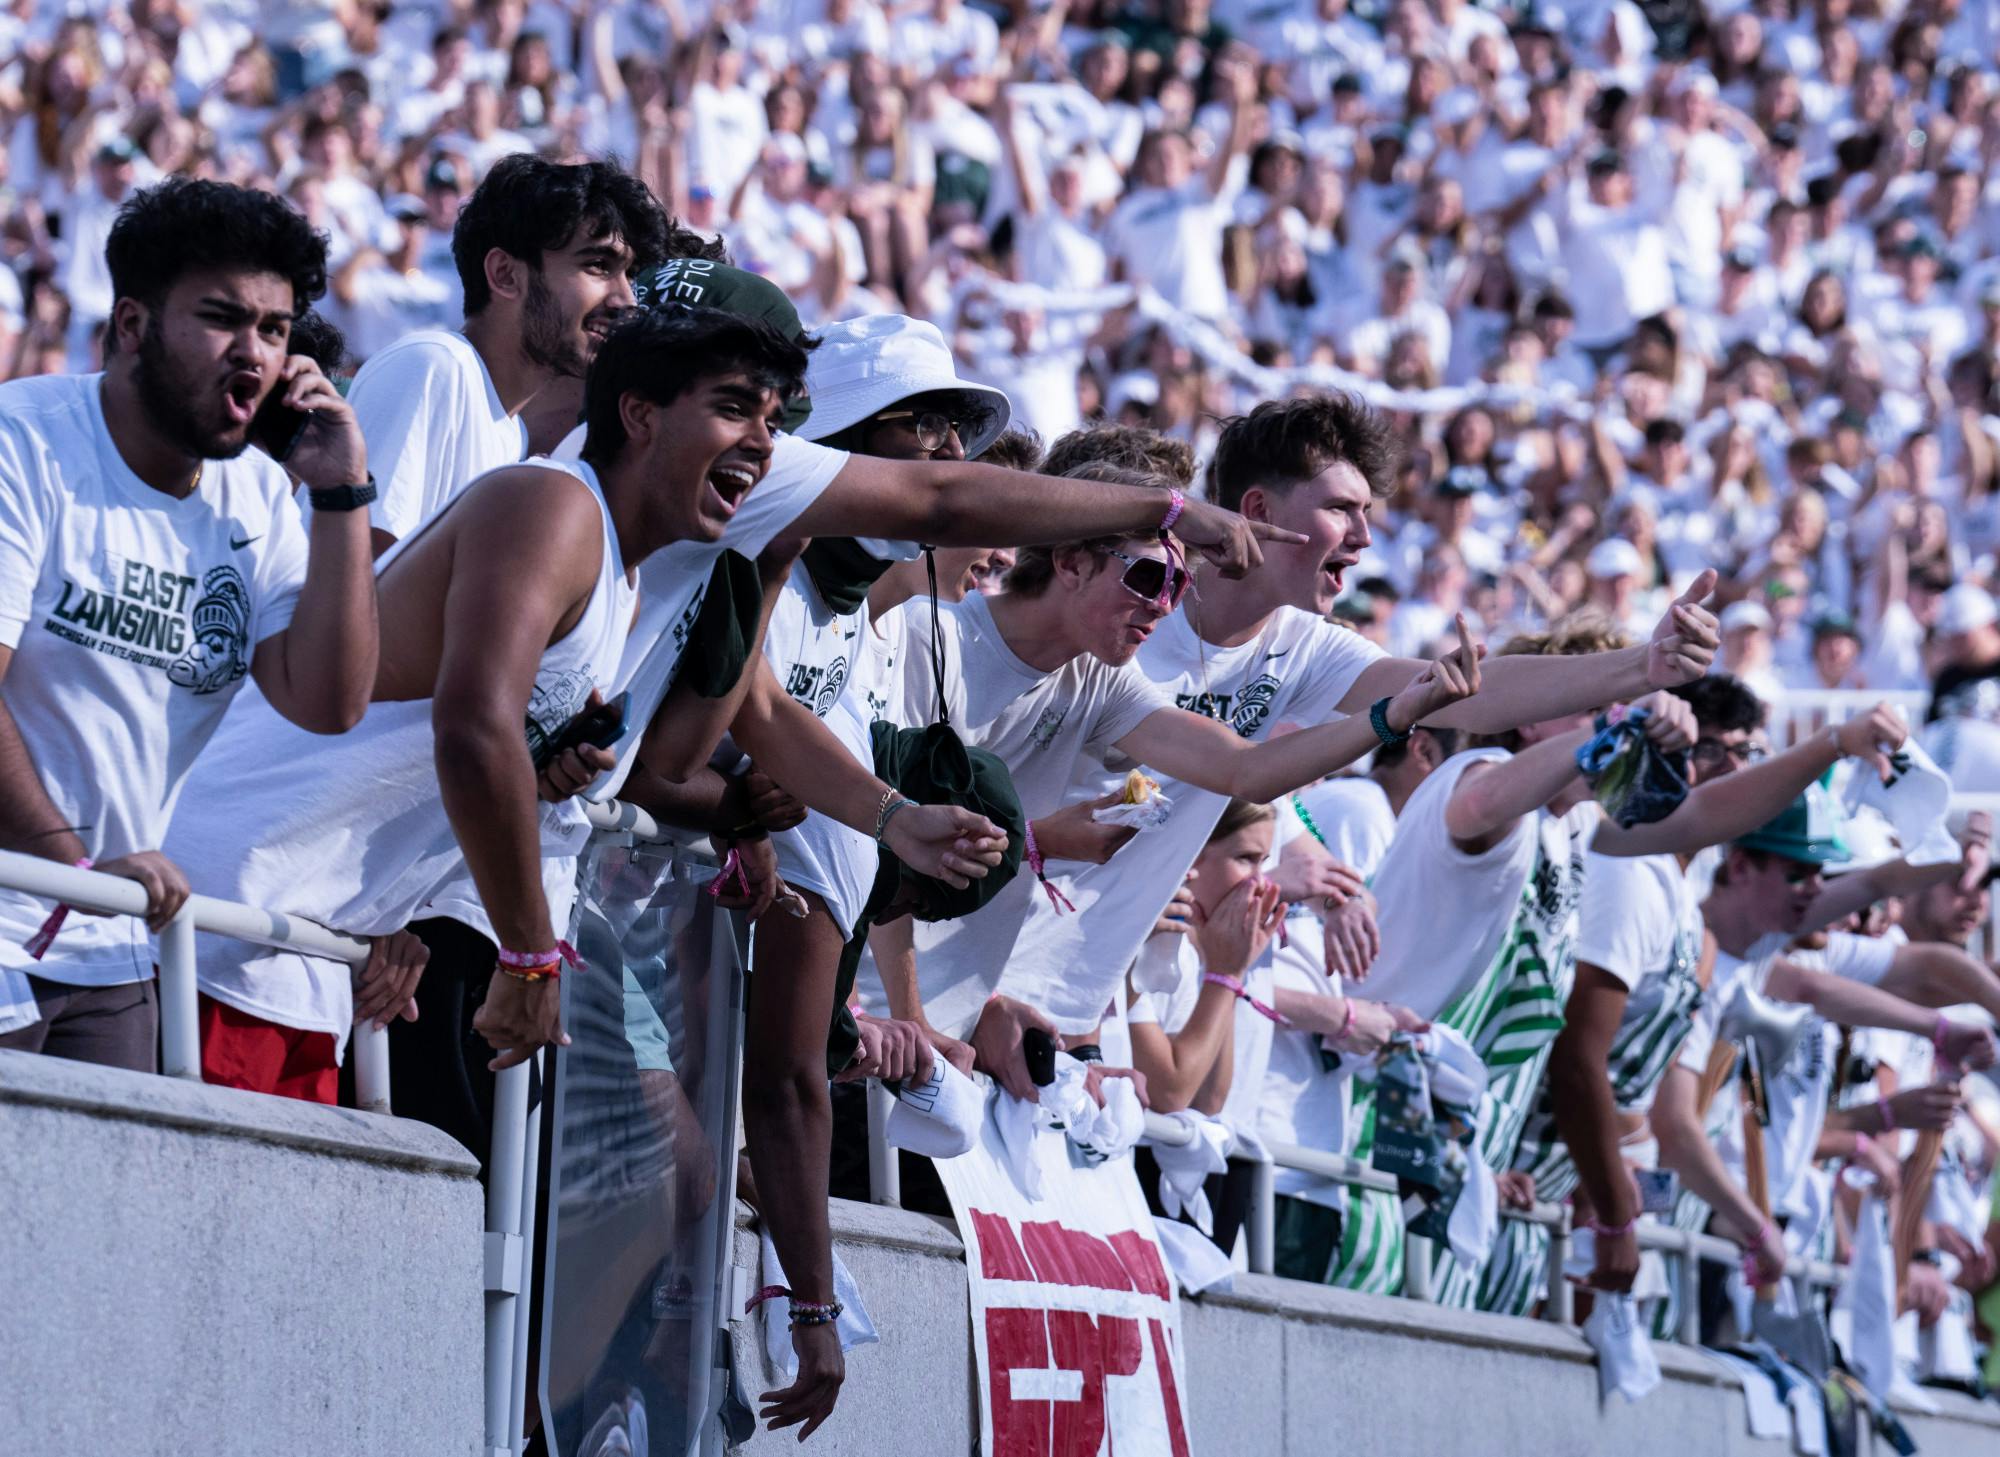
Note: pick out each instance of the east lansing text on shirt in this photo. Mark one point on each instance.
(147, 619)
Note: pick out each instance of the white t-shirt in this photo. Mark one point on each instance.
(1038, 724)
(1171, 238)
(1298, 669)
(1302, 1101)
(433, 422)
(133, 618)
(1797, 1093)
(1632, 912)
(1443, 912)
(1351, 818)
(350, 830)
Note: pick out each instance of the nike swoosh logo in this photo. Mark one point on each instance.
(1278, 654)
(236, 545)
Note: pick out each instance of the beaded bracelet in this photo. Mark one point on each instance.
(806, 1312)
(538, 965)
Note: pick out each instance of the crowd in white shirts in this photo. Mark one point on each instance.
(1248, 554)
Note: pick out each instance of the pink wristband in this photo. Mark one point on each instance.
(37, 946)
(1888, 1112)
(1614, 1231)
(1175, 503)
(1346, 1023)
(1941, 1031)
(1862, 1142)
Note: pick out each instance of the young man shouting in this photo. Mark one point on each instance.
(151, 565)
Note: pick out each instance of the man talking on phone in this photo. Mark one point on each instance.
(150, 563)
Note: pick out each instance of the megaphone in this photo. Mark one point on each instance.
(1769, 1032)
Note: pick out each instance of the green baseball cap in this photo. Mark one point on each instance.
(711, 285)
(1807, 830)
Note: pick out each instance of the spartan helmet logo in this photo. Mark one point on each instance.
(214, 659)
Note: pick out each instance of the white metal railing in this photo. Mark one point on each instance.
(1694, 1247)
(1804, 711)
(180, 1014)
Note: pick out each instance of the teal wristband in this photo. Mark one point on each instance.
(1378, 719)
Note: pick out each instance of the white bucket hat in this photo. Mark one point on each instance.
(865, 366)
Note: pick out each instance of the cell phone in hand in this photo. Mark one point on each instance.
(1038, 1050)
(277, 428)
(600, 727)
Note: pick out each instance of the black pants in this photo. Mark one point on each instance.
(437, 1064)
(847, 1170)
(1228, 1195)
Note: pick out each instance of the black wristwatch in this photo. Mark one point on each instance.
(1926, 1257)
(343, 498)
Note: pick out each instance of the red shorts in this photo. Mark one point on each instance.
(242, 1051)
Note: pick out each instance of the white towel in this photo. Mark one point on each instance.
(1457, 1075)
(855, 1328)
(939, 1118)
(1103, 1132)
(1649, 1284)
(1917, 802)
(1864, 1310)
(1195, 1260)
(1625, 1360)
(1184, 1168)
(1768, 1417)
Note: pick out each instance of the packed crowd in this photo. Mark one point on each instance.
(1374, 477)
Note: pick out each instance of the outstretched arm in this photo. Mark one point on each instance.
(957, 503)
(1203, 752)
(1720, 810)
(1532, 688)
(1934, 975)
(1855, 1004)
(802, 755)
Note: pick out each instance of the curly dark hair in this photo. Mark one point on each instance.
(186, 224)
(661, 353)
(1285, 443)
(1723, 703)
(528, 206)
(1130, 446)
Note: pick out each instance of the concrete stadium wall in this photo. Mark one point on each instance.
(186, 1269)
(1279, 1367)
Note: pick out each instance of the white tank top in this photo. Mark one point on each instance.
(350, 831)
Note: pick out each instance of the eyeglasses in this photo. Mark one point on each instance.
(933, 427)
(1715, 751)
(1151, 580)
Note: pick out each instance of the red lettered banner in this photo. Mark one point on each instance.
(1075, 1320)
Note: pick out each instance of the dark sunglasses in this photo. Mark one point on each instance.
(1798, 872)
(1151, 580)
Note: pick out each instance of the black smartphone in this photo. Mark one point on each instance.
(600, 727)
(277, 428)
(1038, 1050)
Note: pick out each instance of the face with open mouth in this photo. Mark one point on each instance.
(209, 356)
(1331, 512)
(716, 439)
